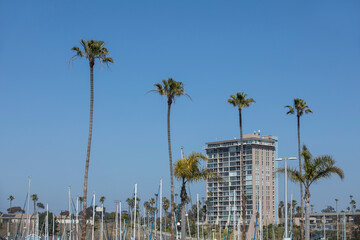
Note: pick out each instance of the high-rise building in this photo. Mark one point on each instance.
(259, 175)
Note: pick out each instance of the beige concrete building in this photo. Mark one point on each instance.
(259, 177)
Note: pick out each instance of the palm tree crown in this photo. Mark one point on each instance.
(171, 89)
(315, 169)
(93, 50)
(102, 199)
(300, 107)
(239, 100)
(189, 170)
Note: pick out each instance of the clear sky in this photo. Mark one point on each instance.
(272, 50)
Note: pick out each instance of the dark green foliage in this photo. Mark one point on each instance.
(15, 210)
(42, 222)
(328, 209)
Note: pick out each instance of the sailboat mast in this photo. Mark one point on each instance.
(102, 222)
(197, 214)
(47, 223)
(70, 227)
(161, 209)
(120, 220)
(93, 218)
(234, 221)
(37, 225)
(260, 219)
(135, 211)
(116, 220)
(53, 227)
(77, 218)
(28, 209)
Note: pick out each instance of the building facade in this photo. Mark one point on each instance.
(224, 195)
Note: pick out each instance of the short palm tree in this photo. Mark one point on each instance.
(281, 209)
(35, 198)
(11, 198)
(189, 170)
(91, 50)
(81, 199)
(299, 108)
(241, 101)
(152, 201)
(166, 205)
(130, 202)
(171, 89)
(102, 199)
(353, 206)
(314, 170)
(336, 202)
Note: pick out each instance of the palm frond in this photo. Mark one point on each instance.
(85, 45)
(291, 109)
(293, 175)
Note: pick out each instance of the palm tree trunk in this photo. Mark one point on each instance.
(301, 186)
(243, 199)
(183, 221)
(171, 173)
(83, 228)
(307, 217)
(183, 196)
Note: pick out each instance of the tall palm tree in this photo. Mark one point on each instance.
(299, 108)
(35, 198)
(171, 89)
(241, 101)
(315, 169)
(281, 209)
(166, 205)
(92, 51)
(152, 201)
(102, 200)
(11, 198)
(189, 170)
(294, 202)
(336, 201)
(130, 202)
(353, 206)
(81, 200)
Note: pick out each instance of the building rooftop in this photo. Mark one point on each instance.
(250, 138)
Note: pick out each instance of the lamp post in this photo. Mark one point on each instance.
(286, 210)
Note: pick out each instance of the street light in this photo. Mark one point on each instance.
(286, 210)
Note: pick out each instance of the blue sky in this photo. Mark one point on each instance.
(272, 50)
